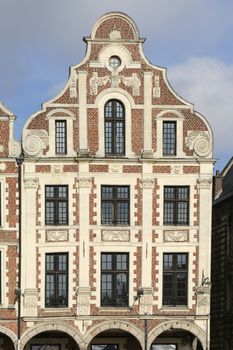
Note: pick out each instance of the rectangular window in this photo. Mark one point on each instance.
(56, 205)
(176, 205)
(56, 280)
(115, 205)
(175, 279)
(114, 279)
(169, 138)
(61, 136)
(104, 347)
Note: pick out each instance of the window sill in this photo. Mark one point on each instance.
(175, 308)
(54, 309)
(114, 309)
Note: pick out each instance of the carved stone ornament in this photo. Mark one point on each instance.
(56, 236)
(133, 82)
(156, 88)
(35, 142)
(115, 168)
(115, 236)
(1, 148)
(203, 300)
(176, 236)
(96, 81)
(84, 182)
(31, 182)
(147, 183)
(57, 169)
(14, 149)
(205, 183)
(199, 142)
(30, 302)
(2, 166)
(176, 169)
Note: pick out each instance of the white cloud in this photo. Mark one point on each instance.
(208, 83)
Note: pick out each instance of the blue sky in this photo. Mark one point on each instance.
(39, 40)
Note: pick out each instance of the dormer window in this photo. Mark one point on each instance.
(114, 119)
(114, 62)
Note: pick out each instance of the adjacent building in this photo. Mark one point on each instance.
(105, 235)
(222, 261)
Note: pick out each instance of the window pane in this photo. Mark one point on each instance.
(121, 262)
(107, 213)
(182, 212)
(56, 205)
(114, 128)
(169, 213)
(115, 205)
(122, 213)
(122, 289)
(60, 127)
(107, 192)
(104, 347)
(106, 261)
(169, 138)
(122, 192)
(176, 205)
(164, 347)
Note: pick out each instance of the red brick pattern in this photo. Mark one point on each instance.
(132, 169)
(43, 168)
(98, 168)
(190, 169)
(115, 23)
(92, 131)
(164, 169)
(4, 132)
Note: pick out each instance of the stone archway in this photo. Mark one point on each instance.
(10, 335)
(70, 330)
(112, 325)
(179, 325)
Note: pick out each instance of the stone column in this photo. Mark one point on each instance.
(29, 247)
(147, 152)
(146, 298)
(82, 90)
(83, 298)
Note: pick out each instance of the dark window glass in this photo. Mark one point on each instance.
(175, 279)
(56, 205)
(56, 280)
(114, 115)
(61, 137)
(45, 347)
(176, 205)
(114, 279)
(114, 61)
(0, 277)
(164, 347)
(169, 138)
(104, 347)
(115, 205)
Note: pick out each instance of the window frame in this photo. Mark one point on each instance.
(58, 346)
(56, 201)
(116, 345)
(58, 143)
(170, 148)
(114, 272)
(56, 272)
(115, 201)
(113, 120)
(176, 201)
(174, 271)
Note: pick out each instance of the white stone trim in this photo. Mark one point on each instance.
(4, 279)
(4, 202)
(117, 94)
(178, 118)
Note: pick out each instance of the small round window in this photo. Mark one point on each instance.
(114, 61)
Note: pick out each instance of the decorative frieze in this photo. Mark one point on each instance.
(73, 86)
(115, 168)
(203, 300)
(115, 236)
(56, 236)
(14, 149)
(146, 302)
(57, 168)
(35, 142)
(176, 236)
(176, 170)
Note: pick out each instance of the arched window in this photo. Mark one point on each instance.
(114, 121)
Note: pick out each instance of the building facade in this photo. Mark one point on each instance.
(106, 210)
(222, 261)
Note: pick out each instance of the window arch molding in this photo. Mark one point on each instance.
(174, 116)
(128, 104)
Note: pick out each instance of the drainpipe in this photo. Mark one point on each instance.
(145, 333)
(19, 162)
